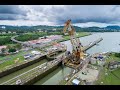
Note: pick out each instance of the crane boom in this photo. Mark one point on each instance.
(76, 44)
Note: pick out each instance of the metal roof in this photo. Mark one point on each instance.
(76, 81)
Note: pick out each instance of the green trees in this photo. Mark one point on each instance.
(30, 36)
(5, 40)
(18, 46)
(12, 50)
(27, 37)
(117, 55)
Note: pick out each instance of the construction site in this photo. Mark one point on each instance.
(84, 67)
(59, 44)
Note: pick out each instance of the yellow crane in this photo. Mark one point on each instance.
(77, 52)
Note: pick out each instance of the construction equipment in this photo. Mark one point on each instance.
(77, 54)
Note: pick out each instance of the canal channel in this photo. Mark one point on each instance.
(5, 78)
(110, 42)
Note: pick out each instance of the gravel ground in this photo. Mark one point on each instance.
(90, 75)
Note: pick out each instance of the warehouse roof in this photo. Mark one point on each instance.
(76, 81)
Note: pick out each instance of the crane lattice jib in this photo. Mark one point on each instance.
(76, 44)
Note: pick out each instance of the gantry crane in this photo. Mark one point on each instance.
(77, 53)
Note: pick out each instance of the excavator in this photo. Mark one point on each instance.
(75, 58)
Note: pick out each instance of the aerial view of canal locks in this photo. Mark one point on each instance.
(39, 43)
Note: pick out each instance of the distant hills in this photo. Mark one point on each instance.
(52, 28)
(113, 27)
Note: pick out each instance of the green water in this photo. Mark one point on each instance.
(54, 77)
(5, 78)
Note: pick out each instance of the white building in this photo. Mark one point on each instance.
(35, 52)
(14, 32)
(3, 32)
(27, 56)
(3, 27)
(40, 31)
(9, 31)
(75, 82)
(54, 29)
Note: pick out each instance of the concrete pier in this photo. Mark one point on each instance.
(92, 44)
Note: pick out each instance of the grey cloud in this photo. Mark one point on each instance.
(12, 17)
(77, 13)
(7, 17)
(87, 13)
(11, 9)
(11, 12)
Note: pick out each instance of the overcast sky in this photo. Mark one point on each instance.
(81, 15)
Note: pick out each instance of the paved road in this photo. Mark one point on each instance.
(85, 63)
(14, 40)
(28, 44)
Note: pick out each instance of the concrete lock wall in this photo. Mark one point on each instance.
(49, 58)
(4, 73)
(32, 81)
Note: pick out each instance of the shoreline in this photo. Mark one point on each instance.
(77, 37)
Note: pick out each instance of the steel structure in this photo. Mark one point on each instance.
(77, 49)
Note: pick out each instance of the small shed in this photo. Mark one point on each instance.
(35, 52)
(100, 57)
(75, 82)
(27, 56)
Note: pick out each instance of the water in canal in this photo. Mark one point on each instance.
(7, 77)
(110, 42)
(54, 77)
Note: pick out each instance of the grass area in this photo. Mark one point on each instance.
(7, 34)
(12, 56)
(112, 77)
(10, 62)
(6, 39)
(109, 79)
(79, 34)
(12, 45)
(112, 57)
(30, 36)
(11, 59)
(1, 37)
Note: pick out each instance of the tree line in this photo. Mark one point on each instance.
(5, 40)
